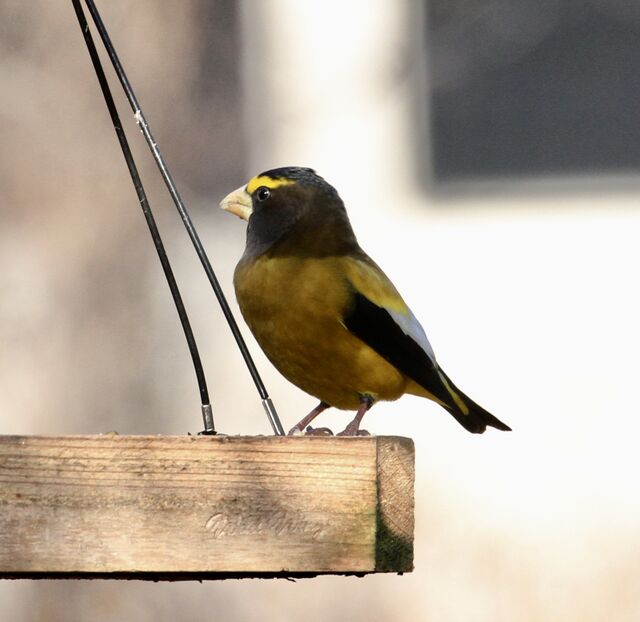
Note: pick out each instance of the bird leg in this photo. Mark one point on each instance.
(353, 429)
(305, 421)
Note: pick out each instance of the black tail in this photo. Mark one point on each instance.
(477, 418)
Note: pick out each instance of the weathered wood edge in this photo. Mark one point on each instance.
(177, 576)
(395, 512)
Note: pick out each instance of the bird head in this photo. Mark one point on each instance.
(291, 207)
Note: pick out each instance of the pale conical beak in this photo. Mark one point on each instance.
(238, 202)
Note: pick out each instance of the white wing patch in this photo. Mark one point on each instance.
(411, 327)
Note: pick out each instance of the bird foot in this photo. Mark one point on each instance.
(349, 431)
(296, 431)
(318, 431)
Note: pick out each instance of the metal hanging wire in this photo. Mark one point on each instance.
(173, 191)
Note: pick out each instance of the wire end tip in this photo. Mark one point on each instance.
(207, 417)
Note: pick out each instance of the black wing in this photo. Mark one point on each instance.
(378, 329)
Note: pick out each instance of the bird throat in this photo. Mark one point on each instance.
(295, 233)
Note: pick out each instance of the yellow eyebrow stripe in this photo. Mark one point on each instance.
(267, 182)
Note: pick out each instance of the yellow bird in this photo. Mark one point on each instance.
(324, 313)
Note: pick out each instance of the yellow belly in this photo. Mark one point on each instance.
(294, 307)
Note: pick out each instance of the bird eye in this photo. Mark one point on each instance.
(263, 193)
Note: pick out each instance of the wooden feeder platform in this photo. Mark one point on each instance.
(187, 507)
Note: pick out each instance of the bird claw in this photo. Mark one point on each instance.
(318, 431)
(348, 431)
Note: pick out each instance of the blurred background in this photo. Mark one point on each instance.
(488, 154)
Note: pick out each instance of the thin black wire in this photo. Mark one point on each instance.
(173, 191)
(146, 209)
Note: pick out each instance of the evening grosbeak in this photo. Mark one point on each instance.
(324, 313)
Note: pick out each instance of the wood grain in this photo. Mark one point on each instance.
(204, 507)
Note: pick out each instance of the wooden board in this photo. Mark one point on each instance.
(204, 507)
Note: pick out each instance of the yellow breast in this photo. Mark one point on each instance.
(294, 307)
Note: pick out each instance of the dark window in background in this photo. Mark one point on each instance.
(533, 88)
